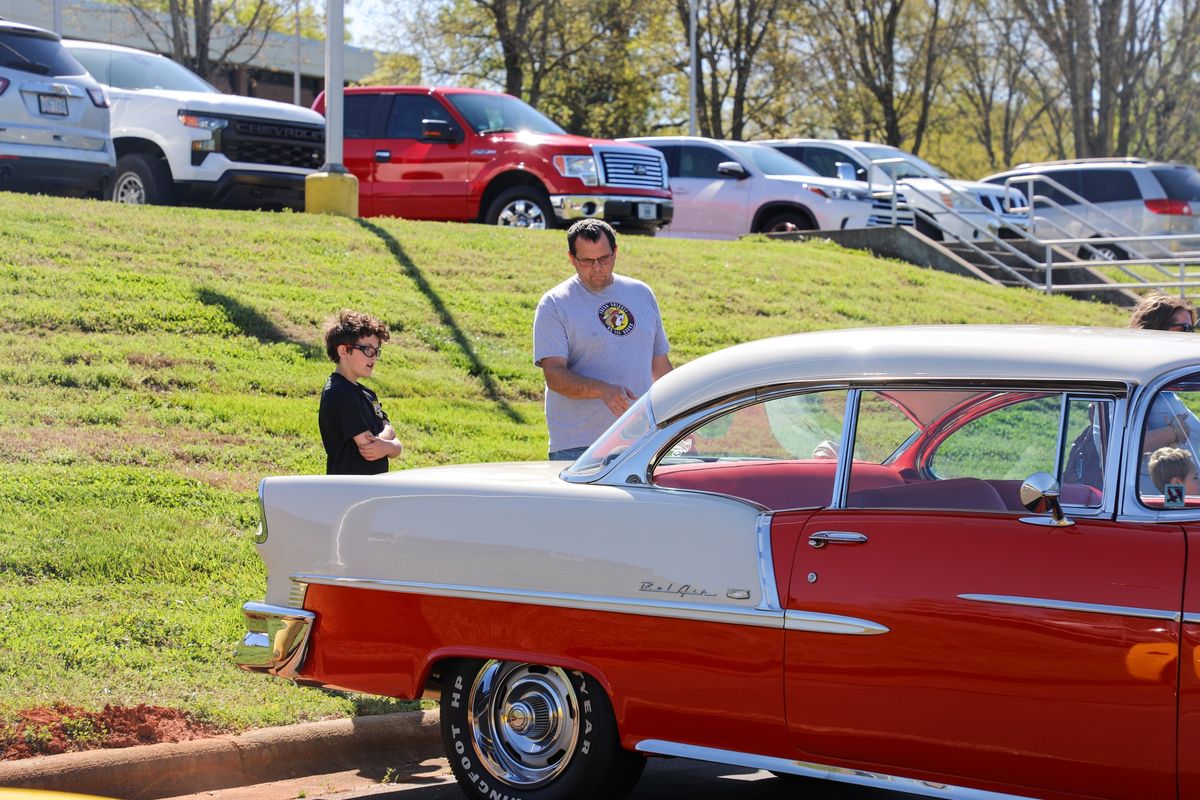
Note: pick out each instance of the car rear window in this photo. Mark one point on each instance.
(1180, 183)
(36, 53)
(1108, 185)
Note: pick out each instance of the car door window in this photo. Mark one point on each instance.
(825, 160)
(409, 112)
(1108, 185)
(671, 155)
(781, 453)
(700, 162)
(1068, 179)
(972, 451)
(364, 115)
(1170, 447)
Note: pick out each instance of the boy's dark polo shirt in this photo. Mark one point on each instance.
(347, 409)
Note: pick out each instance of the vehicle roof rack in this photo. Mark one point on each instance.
(1102, 160)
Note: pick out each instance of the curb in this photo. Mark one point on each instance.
(154, 771)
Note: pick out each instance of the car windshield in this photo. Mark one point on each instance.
(36, 53)
(1180, 183)
(124, 70)
(629, 428)
(499, 113)
(770, 161)
(909, 166)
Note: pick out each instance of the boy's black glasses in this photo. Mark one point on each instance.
(1182, 327)
(367, 350)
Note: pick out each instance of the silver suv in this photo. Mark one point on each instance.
(1110, 198)
(54, 117)
(722, 190)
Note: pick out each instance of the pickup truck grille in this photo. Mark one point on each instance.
(633, 169)
(265, 141)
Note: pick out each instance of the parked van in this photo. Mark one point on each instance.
(1124, 197)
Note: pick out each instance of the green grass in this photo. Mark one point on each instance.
(155, 363)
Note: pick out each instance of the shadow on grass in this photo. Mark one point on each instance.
(253, 324)
(478, 368)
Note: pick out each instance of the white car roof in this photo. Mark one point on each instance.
(949, 352)
(84, 44)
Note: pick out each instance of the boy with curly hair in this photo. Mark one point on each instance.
(357, 434)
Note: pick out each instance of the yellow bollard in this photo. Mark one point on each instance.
(331, 193)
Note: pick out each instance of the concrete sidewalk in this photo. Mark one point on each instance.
(221, 762)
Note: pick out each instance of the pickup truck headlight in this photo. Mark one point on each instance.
(581, 167)
(201, 121)
(958, 201)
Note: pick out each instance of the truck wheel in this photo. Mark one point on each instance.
(531, 731)
(141, 179)
(786, 222)
(521, 207)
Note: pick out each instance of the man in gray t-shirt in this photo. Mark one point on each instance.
(599, 339)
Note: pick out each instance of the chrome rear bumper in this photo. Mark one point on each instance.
(277, 640)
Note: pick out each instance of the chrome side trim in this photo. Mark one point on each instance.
(769, 594)
(277, 640)
(261, 536)
(1070, 605)
(1191, 618)
(619, 605)
(815, 622)
(810, 769)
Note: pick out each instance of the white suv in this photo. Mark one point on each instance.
(1124, 197)
(54, 117)
(722, 190)
(178, 139)
(929, 189)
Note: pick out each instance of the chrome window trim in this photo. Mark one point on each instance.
(1071, 605)
(1130, 508)
(699, 612)
(768, 592)
(1064, 407)
(812, 769)
(816, 622)
(841, 476)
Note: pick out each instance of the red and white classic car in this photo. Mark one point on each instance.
(928, 559)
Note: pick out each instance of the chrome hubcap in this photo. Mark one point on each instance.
(522, 214)
(524, 721)
(129, 189)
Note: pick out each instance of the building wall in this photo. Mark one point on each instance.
(269, 74)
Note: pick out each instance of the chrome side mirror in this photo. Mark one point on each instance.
(1039, 494)
(732, 169)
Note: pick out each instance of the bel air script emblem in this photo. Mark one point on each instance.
(679, 590)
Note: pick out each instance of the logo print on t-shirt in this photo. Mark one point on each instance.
(617, 318)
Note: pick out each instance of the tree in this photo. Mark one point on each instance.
(731, 37)
(209, 35)
(999, 64)
(1105, 50)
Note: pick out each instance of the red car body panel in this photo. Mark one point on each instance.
(720, 685)
(1007, 681)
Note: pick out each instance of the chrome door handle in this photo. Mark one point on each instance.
(383, 156)
(822, 538)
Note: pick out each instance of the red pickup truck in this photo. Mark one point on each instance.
(472, 155)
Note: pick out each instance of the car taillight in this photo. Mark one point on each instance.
(99, 96)
(3, 84)
(1178, 208)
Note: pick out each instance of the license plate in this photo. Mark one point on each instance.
(647, 211)
(52, 104)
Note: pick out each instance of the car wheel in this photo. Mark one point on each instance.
(927, 228)
(787, 222)
(141, 179)
(521, 207)
(531, 731)
(1102, 252)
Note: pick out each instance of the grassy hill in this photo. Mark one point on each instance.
(155, 363)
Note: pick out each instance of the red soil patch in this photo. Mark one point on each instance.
(61, 729)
